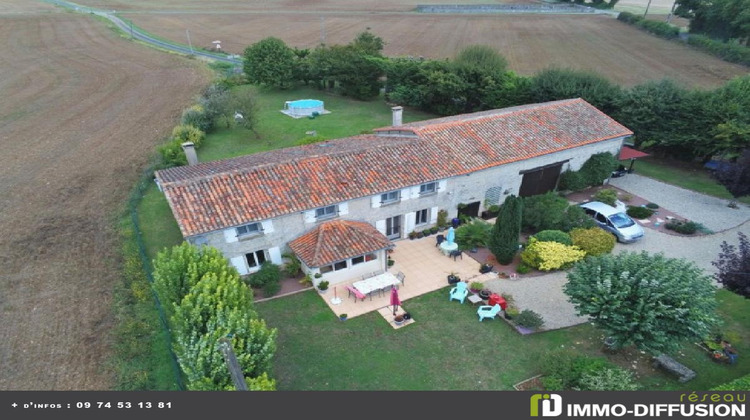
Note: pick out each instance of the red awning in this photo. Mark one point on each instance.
(630, 153)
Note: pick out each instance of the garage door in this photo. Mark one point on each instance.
(540, 180)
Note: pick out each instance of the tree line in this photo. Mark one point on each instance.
(667, 118)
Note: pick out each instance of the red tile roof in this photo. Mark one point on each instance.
(226, 193)
(337, 240)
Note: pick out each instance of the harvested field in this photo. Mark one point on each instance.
(531, 43)
(81, 112)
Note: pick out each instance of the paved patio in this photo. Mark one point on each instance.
(425, 268)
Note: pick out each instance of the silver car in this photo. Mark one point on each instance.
(614, 221)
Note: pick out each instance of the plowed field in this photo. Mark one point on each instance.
(81, 110)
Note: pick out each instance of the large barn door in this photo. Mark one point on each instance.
(540, 180)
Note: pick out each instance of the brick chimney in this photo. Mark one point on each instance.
(397, 113)
(189, 149)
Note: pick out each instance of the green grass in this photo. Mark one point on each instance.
(689, 176)
(348, 117)
(158, 225)
(445, 349)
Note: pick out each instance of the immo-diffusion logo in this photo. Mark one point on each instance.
(551, 405)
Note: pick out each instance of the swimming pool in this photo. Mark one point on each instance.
(304, 107)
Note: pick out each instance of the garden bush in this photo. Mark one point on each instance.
(172, 154)
(523, 269)
(598, 168)
(547, 256)
(637, 212)
(268, 273)
(184, 133)
(733, 52)
(685, 227)
(551, 212)
(563, 369)
(473, 234)
(593, 241)
(608, 379)
(271, 288)
(571, 181)
(554, 236)
(197, 117)
(652, 206)
(607, 196)
(529, 319)
(659, 28)
(293, 266)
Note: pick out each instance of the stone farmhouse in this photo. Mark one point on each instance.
(340, 204)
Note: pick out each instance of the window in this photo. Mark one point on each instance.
(326, 269)
(390, 198)
(358, 260)
(249, 229)
(428, 188)
(341, 265)
(371, 257)
(255, 259)
(422, 217)
(326, 212)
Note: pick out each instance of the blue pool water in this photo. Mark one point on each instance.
(306, 103)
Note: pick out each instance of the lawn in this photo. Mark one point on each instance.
(691, 176)
(446, 348)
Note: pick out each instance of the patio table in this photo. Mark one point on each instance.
(379, 283)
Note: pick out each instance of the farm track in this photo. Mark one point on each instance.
(82, 110)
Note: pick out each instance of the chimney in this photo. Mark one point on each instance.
(397, 111)
(189, 149)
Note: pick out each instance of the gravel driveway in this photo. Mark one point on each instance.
(544, 295)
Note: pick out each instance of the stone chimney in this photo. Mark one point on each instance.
(397, 112)
(189, 149)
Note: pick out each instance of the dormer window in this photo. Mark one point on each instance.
(428, 188)
(390, 197)
(250, 229)
(326, 212)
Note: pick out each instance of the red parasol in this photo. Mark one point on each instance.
(394, 300)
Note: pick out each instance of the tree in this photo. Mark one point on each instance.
(270, 62)
(188, 133)
(219, 306)
(554, 84)
(648, 301)
(243, 102)
(503, 242)
(733, 264)
(369, 44)
(735, 176)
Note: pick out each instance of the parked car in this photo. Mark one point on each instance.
(614, 221)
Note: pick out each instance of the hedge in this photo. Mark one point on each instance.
(729, 51)
(656, 27)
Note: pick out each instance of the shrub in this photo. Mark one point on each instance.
(575, 217)
(608, 379)
(529, 319)
(659, 28)
(442, 218)
(476, 285)
(197, 117)
(685, 227)
(552, 212)
(606, 196)
(523, 269)
(598, 168)
(184, 133)
(268, 273)
(593, 241)
(293, 267)
(571, 181)
(548, 256)
(473, 234)
(729, 51)
(652, 206)
(172, 154)
(554, 236)
(563, 369)
(271, 288)
(639, 212)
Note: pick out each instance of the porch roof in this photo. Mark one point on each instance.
(337, 240)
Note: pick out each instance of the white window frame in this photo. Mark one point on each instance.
(386, 200)
(255, 258)
(325, 214)
(422, 214)
(424, 190)
(258, 230)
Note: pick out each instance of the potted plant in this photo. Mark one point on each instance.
(434, 230)
(476, 286)
(390, 261)
(420, 234)
(484, 294)
(442, 220)
(343, 317)
(453, 278)
(399, 319)
(485, 268)
(323, 286)
(412, 235)
(306, 281)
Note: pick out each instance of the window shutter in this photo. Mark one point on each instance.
(375, 201)
(343, 209)
(442, 185)
(410, 219)
(275, 255)
(406, 194)
(310, 216)
(415, 192)
(380, 226)
(433, 215)
(267, 226)
(230, 235)
(240, 264)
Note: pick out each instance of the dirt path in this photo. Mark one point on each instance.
(80, 113)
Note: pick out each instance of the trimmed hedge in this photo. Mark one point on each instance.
(729, 51)
(547, 256)
(593, 241)
(659, 28)
(639, 212)
(554, 236)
